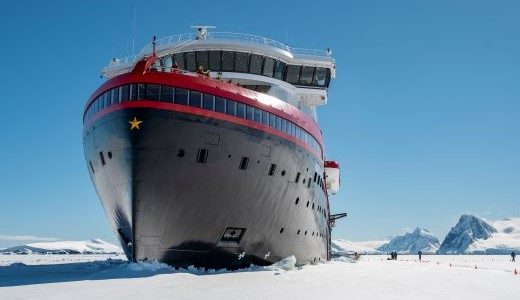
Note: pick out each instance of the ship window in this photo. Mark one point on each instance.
(272, 120)
(109, 153)
(256, 64)
(179, 61)
(191, 64)
(153, 92)
(281, 230)
(125, 93)
(207, 102)
(313, 206)
(167, 93)
(278, 69)
(298, 232)
(115, 95)
(284, 125)
(231, 107)
(241, 62)
(214, 60)
(102, 158)
(258, 115)
(202, 156)
(283, 173)
(108, 98)
(293, 74)
(141, 91)
(315, 176)
(305, 232)
(220, 104)
(241, 110)
(202, 59)
(265, 118)
(278, 121)
(167, 62)
(133, 92)
(249, 113)
(297, 200)
(309, 182)
(195, 99)
(306, 76)
(320, 78)
(307, 203)
(272, 169)
(243, 163)
(297, 177)
(228, 61)
(181, 153)
(268, 67)
(181, 96)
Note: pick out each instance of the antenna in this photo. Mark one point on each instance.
(153, 46)
(202, 31)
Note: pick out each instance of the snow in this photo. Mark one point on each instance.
(371, 277)
(85, 247)
(342, 246)
(412, 242)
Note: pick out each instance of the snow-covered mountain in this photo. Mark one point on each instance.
(95, 246)
(473, 235)
(342, 246)
(412, 242)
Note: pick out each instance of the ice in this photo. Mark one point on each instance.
(370, 277)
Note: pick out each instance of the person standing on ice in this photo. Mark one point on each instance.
(420, 255)
(513, 255)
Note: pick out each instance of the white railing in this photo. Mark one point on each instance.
(182, 39)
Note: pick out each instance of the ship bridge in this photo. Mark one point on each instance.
(298, 76)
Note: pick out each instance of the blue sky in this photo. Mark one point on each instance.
(423, 115)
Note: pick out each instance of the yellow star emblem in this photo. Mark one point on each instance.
(134, 123)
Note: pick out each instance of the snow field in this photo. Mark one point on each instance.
(372, 277)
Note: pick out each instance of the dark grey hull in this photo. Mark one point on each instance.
(168, 203)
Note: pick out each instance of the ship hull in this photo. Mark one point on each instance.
(175, 190)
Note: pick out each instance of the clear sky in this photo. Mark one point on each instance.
(424, 114)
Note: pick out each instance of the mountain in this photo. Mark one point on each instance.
(412, 242)
(95, 246)
(473, 235)
(342, 246)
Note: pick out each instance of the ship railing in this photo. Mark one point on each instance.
(182, 39)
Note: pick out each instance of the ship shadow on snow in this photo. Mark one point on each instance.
(18, 274)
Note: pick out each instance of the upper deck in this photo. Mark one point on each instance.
(297, 66)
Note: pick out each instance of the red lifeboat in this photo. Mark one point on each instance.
(332, 176)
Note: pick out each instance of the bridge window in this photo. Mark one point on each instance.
(306, 75)
(293, 74)
(265, 118)
(320, 78)
(141, 91)
(220, 104)
(214, 60)
(167, 61)
(153, 92)
(167, 93)
(256, 64)
(207, 102)
(241, 62)
(202, 59)
(190, 61)
(115, 95)
(278, 69)
(268, 67)
(272, 121)
(228, 61)
(181, 96)
(179, 60)
(278, 121)
(195, 99)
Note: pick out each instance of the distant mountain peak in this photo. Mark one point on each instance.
(412, 242)
(468, 229)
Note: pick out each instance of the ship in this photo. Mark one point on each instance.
(204, 150)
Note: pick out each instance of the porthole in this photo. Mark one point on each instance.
(109, 153)
(313, 206)
(283, 173)
(229, 156)
(281, 230)
(307, 203)
(297, 177)
(297, 200)
(181, 153)
(102, 157)
(305, 232)
(298, 232)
